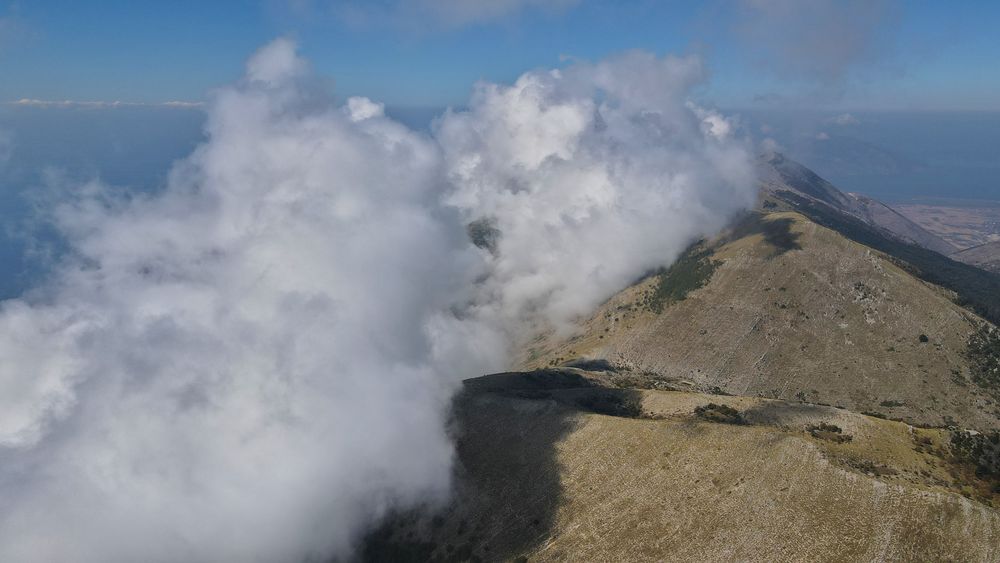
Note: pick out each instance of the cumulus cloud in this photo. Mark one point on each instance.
(255, 365)
(239, 369)
(821, 41)
(591, 175)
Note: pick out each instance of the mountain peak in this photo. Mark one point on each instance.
(779, 174)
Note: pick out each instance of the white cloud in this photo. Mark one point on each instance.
(256, 364)
(844, 119)
(239, 369)
(769, 146)
(277, 65)
(593, 175)
(362, 108)
(822, 136)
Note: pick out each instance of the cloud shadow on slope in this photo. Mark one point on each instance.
(507, 476)
(777, 232)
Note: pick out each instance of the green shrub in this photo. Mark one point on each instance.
(829, 432)
(981, 450)
(691, 271)
(612, 403)
(724, 414)
(983, 352)
(872, 468)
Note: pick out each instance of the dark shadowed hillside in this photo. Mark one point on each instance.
(551, 468)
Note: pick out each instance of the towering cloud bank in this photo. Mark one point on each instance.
(239, 369)
(590, 176)
(255, 364)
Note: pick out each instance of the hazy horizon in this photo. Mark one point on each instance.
(940, 157)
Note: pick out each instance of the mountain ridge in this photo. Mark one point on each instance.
(803, 300)
(781, 392)
(778, 173)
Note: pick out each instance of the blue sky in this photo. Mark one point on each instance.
(909, 55)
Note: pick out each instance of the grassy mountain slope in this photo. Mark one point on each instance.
(976, 288)
(545, 474)
(780, 174)
(792, 310)
(799, 389)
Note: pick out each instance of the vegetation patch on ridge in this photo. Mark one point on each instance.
(725, 414)
(777, 233)
(691, 271)
(829, 432)
(979, 453)
(984, 356)
(612, 403)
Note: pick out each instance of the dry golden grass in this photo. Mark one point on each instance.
(830, 321)
(543, 479)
